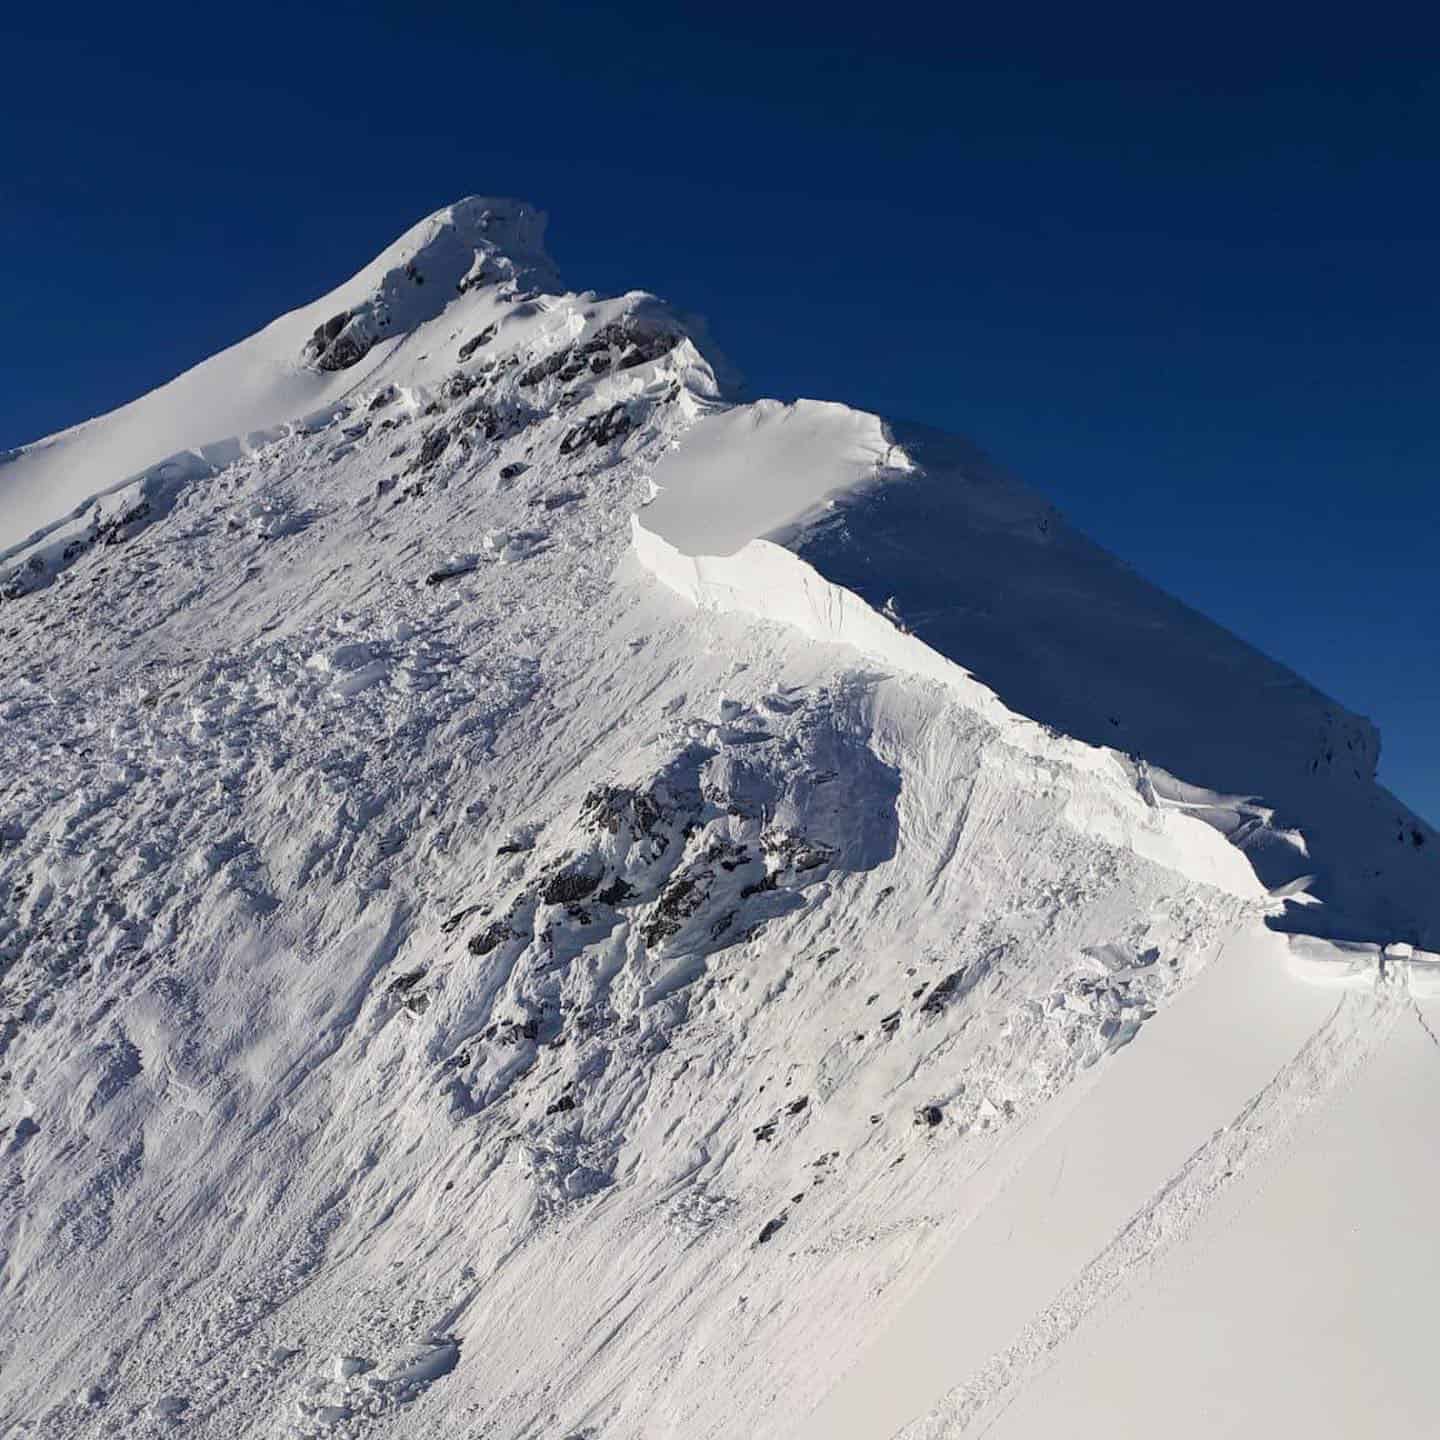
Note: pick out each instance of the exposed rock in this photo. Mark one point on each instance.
(948, 990)
(597, 430)
(568, 886)
(608, 807)
(621, 345)
(772, 1228)
(405, 989)
(455, 921)
(681, 899)
(457, 386)
(616, 893)
(488, 938)
(124, 526)
(477, 342)
(453, 571)
(432, 447)
(340, 342)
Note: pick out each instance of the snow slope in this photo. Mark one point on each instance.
(538, 901)
(1209, 1241)
(925, 536)
(233, 402)
(1319, 1346)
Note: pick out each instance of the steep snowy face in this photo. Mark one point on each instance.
(765, 471)
(304, 362)
(910, 545)
(502, 930)
(471, 244)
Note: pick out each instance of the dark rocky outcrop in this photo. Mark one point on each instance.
(432, 447)
(450, 572)
(405, 989)
(772, 1228)
(616, 893)
(597, 430)
(477, 342)
(486, 940)
(338, 343)
(569, 886)
(608, 807)
(680, 899)
(621, 345)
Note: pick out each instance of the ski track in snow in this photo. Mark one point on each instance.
(1326, 1062)
(478, 958)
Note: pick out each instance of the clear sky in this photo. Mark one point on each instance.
(1177, 268)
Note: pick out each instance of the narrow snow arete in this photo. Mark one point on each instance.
(540, 899)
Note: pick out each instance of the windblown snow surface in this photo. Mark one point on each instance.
(538, 900)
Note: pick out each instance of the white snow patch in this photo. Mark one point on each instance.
(632, 996)
(764, 469)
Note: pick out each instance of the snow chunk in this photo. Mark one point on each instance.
(347, 1366)
(434, 1360)
(342, 658)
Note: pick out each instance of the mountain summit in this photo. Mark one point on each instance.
(537, 899)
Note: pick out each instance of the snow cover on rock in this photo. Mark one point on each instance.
(924, 553)
(280, 379)
(536, 900)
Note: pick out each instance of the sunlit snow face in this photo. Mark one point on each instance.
(448, 978)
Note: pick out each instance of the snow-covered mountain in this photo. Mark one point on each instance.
(538, 899)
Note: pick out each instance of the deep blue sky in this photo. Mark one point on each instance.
(1176, 268)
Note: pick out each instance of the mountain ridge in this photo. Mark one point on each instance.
(473, 957)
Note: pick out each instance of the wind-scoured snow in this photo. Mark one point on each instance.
(537, 900)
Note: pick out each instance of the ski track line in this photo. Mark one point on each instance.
(1324, 1063)
(1425, 1024)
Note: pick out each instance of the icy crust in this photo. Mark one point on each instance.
(1224, 1157)
(768, 581)
(983, 570)
(109, 519)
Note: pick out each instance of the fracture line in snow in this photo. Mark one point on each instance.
(1326, 1062)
